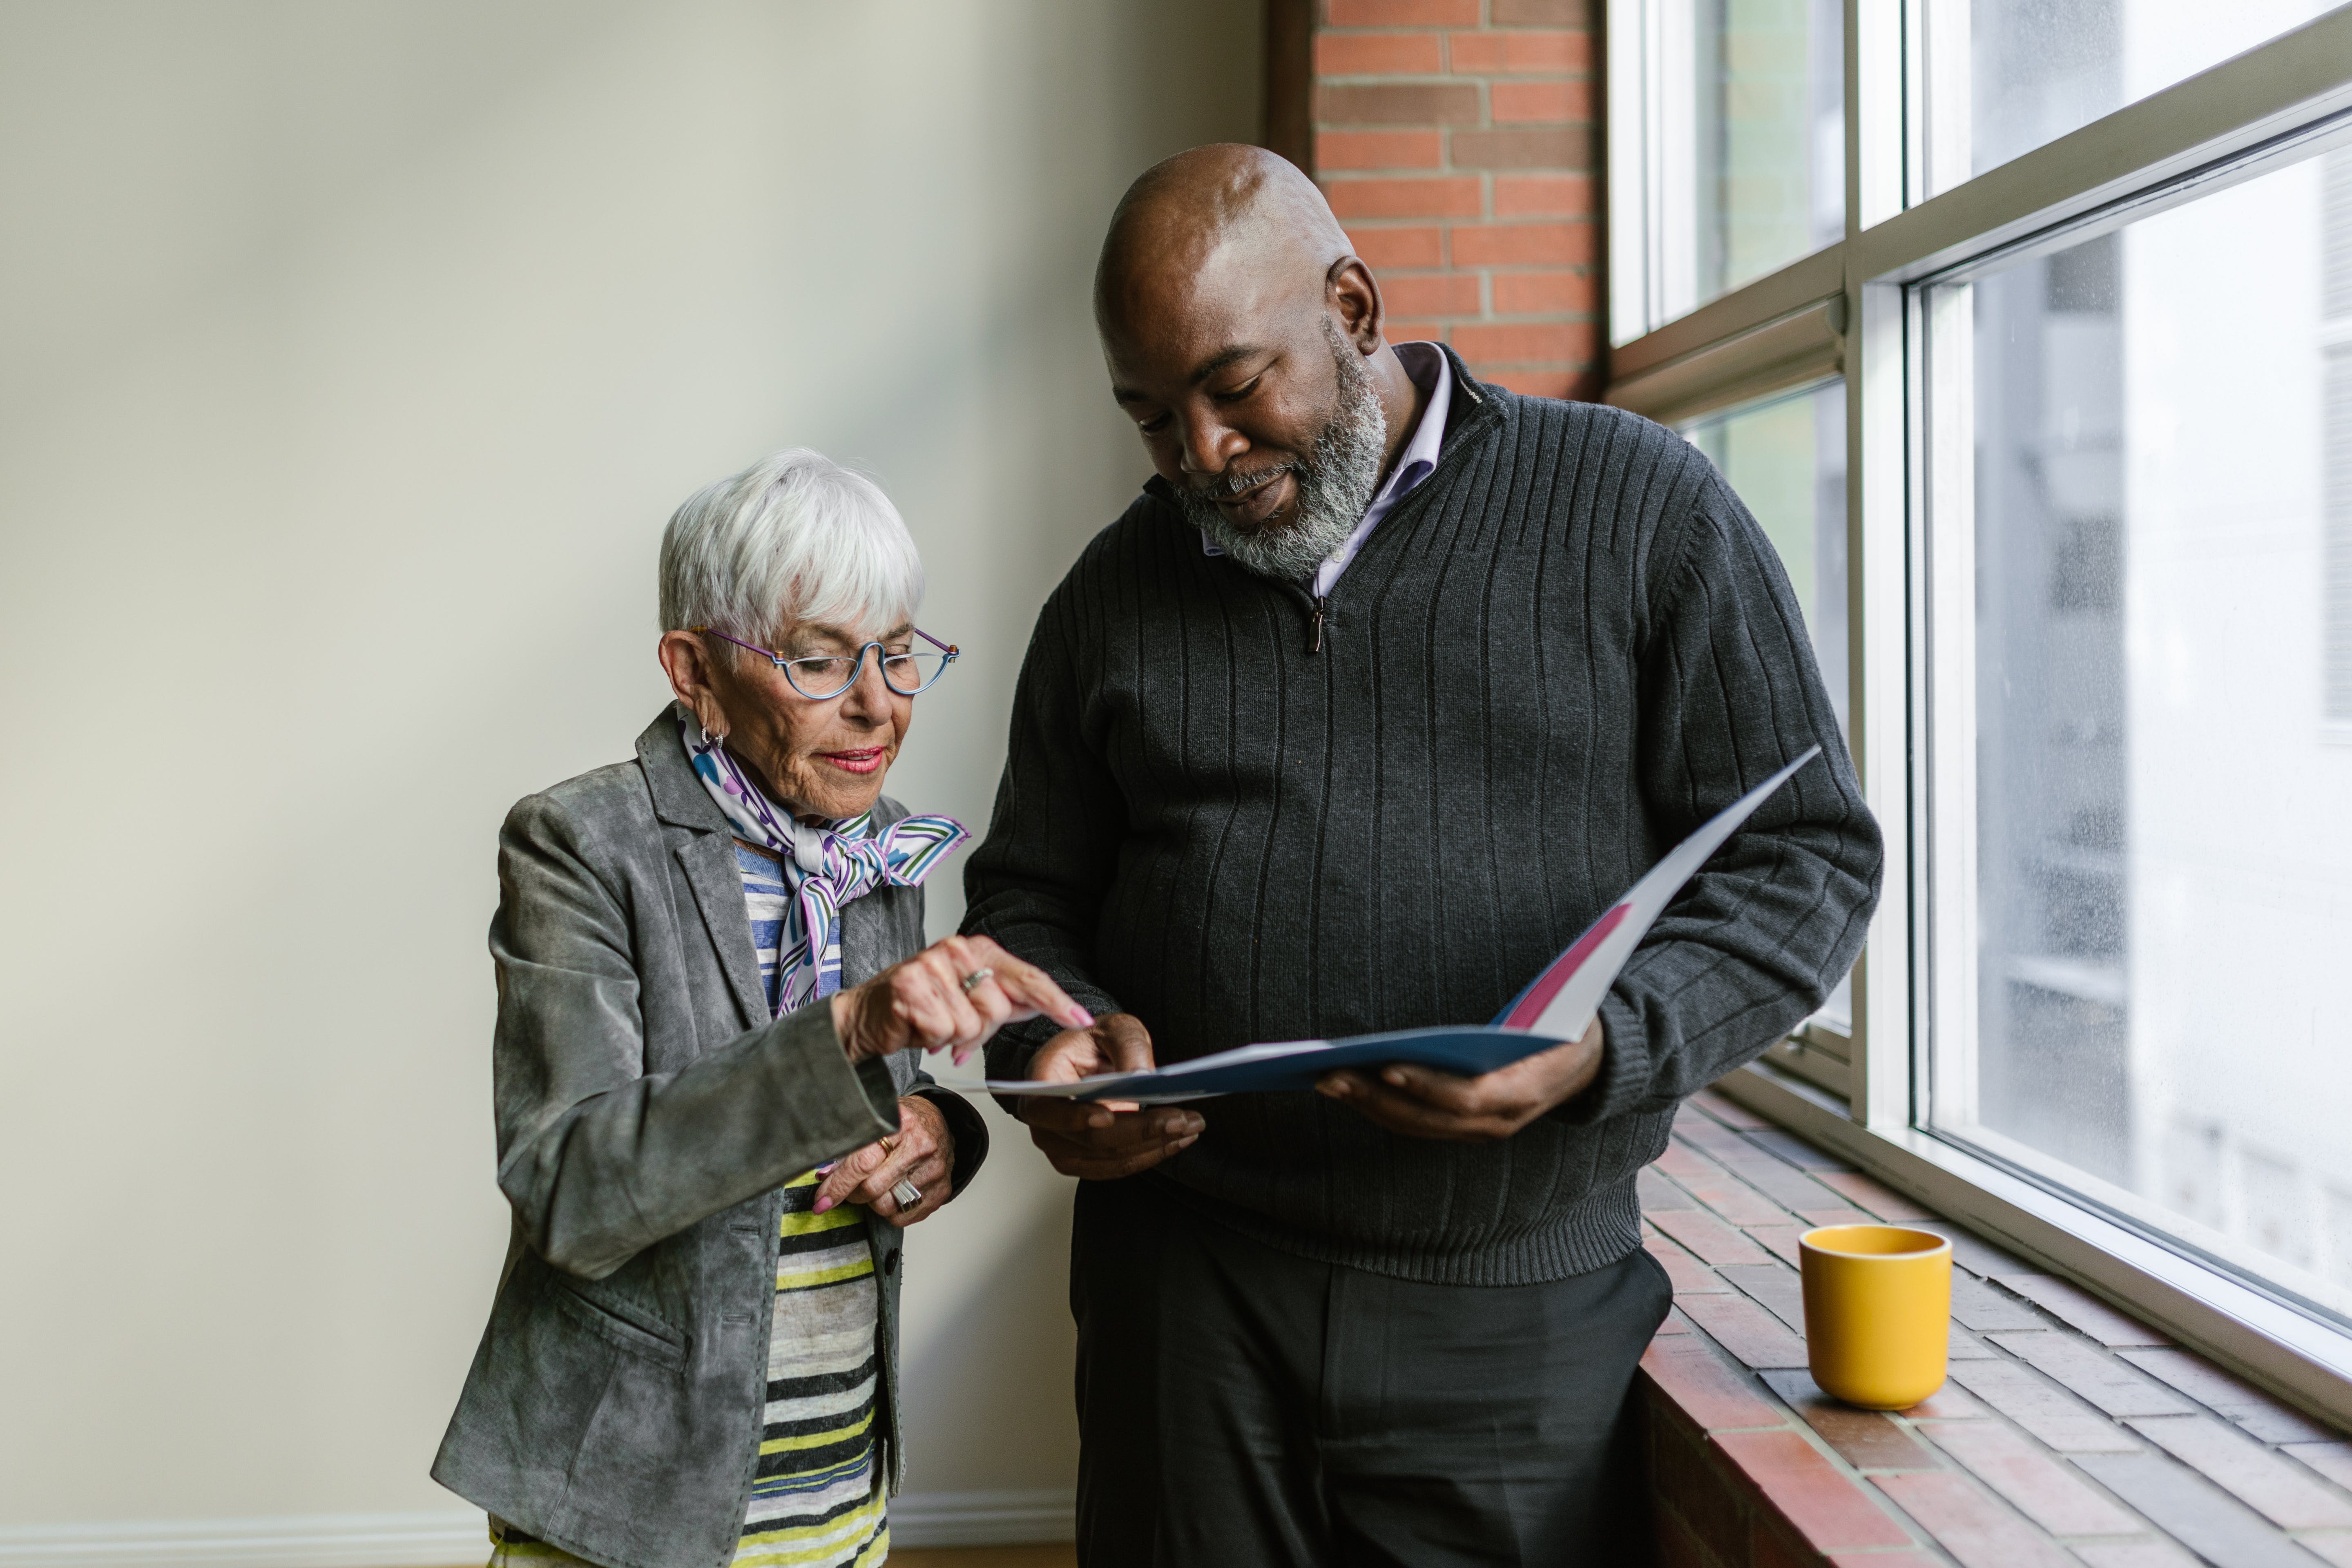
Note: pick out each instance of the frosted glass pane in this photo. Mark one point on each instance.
(1748, 168)
(1776, 189)
(1786, 459)
(2162, 568)
(2007, 76)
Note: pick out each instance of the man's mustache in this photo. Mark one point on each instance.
(1232, 484)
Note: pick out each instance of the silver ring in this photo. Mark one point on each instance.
(975, 977)
(909, 1195)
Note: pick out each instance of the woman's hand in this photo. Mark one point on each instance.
(922, 1152)
(951, 996)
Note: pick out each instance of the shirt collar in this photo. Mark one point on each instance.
(1425, 363)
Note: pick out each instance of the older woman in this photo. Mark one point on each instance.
(710, 1126)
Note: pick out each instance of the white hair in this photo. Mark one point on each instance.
(796, 537)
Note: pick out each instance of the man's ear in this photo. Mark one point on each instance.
(1350, 289)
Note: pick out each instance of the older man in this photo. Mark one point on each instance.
(1386, 686)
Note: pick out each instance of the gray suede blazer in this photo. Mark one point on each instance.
(648, 1112)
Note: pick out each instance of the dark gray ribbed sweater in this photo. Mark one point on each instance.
(1557, 656)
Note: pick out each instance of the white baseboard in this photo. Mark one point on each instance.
(446, 1537)
(981, 1518)
(456, 1538)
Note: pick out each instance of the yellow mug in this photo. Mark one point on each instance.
(1878, 1306)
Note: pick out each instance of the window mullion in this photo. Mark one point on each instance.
(1878, 610)
(1878, 590)
(1948, 753)
(1635, 204)
(1875, 141)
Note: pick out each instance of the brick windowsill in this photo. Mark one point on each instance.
(2067, 1433)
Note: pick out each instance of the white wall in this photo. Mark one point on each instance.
(351, 360)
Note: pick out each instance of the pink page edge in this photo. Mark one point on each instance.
(1563, 969)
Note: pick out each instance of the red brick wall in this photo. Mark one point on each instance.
(1456, 140)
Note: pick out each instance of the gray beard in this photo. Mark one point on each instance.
(1335, 483)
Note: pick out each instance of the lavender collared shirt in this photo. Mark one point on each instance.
(1425, 363)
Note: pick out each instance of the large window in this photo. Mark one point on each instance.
(2072, 527)
(2144, 907)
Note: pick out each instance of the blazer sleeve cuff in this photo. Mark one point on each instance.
(848, 1104)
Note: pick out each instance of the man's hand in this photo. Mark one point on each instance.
(951, 996)
(1421, 1103)
(1103, 1140)
(922, 1151)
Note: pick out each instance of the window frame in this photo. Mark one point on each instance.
(1856, 308)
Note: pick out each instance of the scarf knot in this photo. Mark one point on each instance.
(827, 865)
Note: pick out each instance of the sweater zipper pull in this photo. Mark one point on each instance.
(1314, 644)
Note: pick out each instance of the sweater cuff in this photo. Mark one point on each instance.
(1624, 1080)
(966, 1126)
(1009, 1051)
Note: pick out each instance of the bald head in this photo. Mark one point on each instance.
(1209, 217)
(1244, 337)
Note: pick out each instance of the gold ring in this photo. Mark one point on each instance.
(889, 1142)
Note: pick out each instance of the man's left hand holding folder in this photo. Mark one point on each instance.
(1103, 1140)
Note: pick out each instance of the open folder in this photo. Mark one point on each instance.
(1557, 1006)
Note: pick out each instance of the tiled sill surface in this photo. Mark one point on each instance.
(2067, 1433)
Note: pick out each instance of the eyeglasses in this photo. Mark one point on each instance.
(905, 672)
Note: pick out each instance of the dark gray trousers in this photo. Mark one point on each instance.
(1240, 1406)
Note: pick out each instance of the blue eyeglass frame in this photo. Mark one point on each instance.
(881, 661)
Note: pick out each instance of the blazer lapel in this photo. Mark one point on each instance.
(867, 949)
(707, 858)
(708, 862)
(706, 855)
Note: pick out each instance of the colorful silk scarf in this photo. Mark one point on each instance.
(827, 866)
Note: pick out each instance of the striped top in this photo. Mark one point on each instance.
(779, 928)
(817, 1501)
